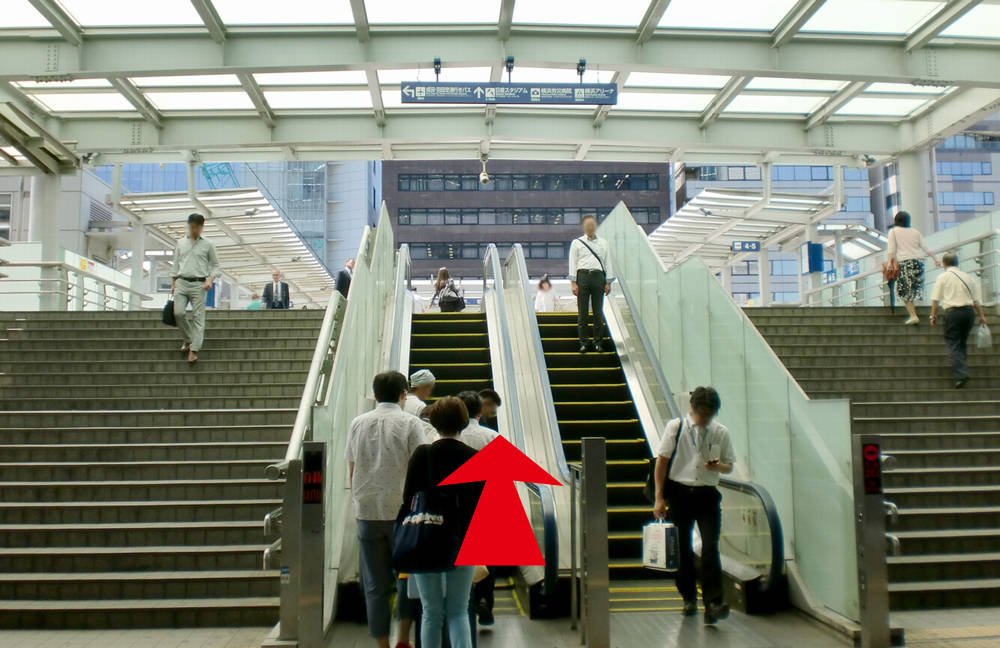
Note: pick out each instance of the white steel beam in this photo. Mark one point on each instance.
(601, 113)
(213, 23)
(951, 115)
(102, 55)
(505, 20)
(60, 20)
(647, 26)
(942, 18)
(361, 28)
(793, 21)
(137, 99)
(257, 97)
(376, 92)
(835, 103)
(723, 98)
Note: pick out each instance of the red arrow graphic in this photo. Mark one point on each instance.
(500, 533)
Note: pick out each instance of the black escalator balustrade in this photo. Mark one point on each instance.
(592, 399)
(455, 348)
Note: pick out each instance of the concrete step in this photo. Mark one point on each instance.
(137, 378)
(944, 442)
(96, 586)
(945, 567)
(151, 317)
(911, 375)
(925, 424)
(939, 458)
(105, 344)
(943, 390)
(133, 534)
(147, 490)
(943, 409)
(280, 392)
(944, 496)
(942, 518)
(100, 362)
(135, 432)
(943, 476)
(265, 451)
(948, 541)
(37, 560)
(135, 470)
(124, 402)
(139, 613)
(262, 333)
(127, 512)
(786, 346)
(926, 594)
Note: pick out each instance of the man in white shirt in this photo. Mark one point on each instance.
(421, 388)
(195, 269)
(957, 294)
(379, 445)
(693, 453)
(590, 278)
(276, 293)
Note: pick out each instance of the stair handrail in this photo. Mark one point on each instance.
(493, 269)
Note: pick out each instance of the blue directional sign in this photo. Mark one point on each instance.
(746, 246)
(852, 269)
(423, 92)
(829, 276)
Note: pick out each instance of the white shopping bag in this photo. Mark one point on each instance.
(659, 546)
(983, 338)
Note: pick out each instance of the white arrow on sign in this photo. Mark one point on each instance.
(408, 91)
(478, 92)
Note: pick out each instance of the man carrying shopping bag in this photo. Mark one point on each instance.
(689, 483)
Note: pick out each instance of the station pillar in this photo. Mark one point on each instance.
(43, 227)
(138, 281)
(914, 179)
(764, 272)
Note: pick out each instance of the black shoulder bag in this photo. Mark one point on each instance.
(426, 537)
(649, 491)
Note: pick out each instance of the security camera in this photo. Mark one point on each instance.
(484, 178)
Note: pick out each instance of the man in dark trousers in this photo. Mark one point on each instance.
(590, 277)
(276, 293)
(694, 452)
(958, 295)
(344, 276)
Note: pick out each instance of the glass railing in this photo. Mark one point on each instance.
(797, 449)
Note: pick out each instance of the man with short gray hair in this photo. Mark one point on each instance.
(957, 294)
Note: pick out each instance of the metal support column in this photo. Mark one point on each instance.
(870, 509)
(764, 272)
(312, 549)
(43, 227)
(838, 265)
(594, 507)
(138, 279)
(914, 188)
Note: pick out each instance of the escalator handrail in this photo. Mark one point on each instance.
(492, 268)
(747, 487)
(516, 257)
(402, 287)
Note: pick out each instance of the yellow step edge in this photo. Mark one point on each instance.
(582, 368)
(593, 385)
(579, 441)
(463, 380)
(633, 509)
(626, 484)
(646, 609)
(449, 350)
(625, 402)
(599, 422)
(576, 353)
(455, 333)
(647, 588)
(618, 462)
(454, 364)
(644, 599)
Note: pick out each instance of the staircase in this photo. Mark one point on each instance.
(132, 489)
(947, 441)
(592, 399)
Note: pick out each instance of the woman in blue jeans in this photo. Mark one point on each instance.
(444, 596)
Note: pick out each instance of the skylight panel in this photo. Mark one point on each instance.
(725, 14)
(285, 99)
(871, 16)
(775, 83)
(436, 12)
(557, 75)
(343, 77)
(875, 107)
(660, 80)
(663, 101)
(622, 13)
(200, 100)
(457, 74)
(183, 81)
(285, 12)
(20, 13)
(905, 88)
(120, 13)
(77, 83)
(785, 104)
(982, 21)
(83, 102)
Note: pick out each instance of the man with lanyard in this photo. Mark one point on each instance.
(694, 451)
(196, 267)
(590, 277)
(957, 294)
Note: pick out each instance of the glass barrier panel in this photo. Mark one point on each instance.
(746, 536)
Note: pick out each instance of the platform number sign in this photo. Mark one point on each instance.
(871, 468)
(312, 477)
(745, 246)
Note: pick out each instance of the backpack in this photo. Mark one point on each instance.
(451, 299)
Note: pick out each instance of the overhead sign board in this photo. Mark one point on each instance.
(746, 246)
(422, 92)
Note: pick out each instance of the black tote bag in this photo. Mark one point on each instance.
(426, 537)
(168, 313)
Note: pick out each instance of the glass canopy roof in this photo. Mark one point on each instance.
(365, 75)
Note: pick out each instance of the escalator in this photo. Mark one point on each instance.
(592, 398)
(455, 348)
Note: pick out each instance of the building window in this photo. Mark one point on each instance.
(533, 182)
(858, 204)
(517, 216)
(964, 168)
(855, 174)
(5, 208)
(784, 267)
(745, 269)
(964, 198)
(708, 173)
(450, 251)
(784, 297)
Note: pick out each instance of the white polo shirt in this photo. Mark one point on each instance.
(476, 436)
(954, 288)
(413, 405)
(380, 443)
(697, 445)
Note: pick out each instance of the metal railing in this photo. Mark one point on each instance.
(590, 576)
(71, 287)
(495, 282)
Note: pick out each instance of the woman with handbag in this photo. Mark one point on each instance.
(444, 588)
(907, 249)
(446, 294)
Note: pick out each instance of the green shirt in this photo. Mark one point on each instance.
(195, 259)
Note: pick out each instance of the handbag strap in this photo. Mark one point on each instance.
(596, 256)
(677, 442)
(969, 290)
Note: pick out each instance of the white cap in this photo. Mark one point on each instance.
(421, 378)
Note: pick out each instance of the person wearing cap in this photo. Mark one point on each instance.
(195, 269)
(421, 388)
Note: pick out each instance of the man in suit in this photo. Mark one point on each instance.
(276, 293)
(344, 276)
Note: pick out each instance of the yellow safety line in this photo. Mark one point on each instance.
(648, 588)
(618, 462)
(630, 509)
(575, 441)
(517, 599)
(602, 421)
(626, 484)
(581, 368)
(591, 385)
(592, 403)
(646, 609)
(461, 380)
(624, 565)
(451, 350)
(452, 334)
(454, 364)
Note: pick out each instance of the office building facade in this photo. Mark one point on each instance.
(448, 217)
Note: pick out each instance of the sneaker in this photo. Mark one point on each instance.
(961, 382)
(913, 321)
(583, 348)
(690, 608)
(716, 612)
